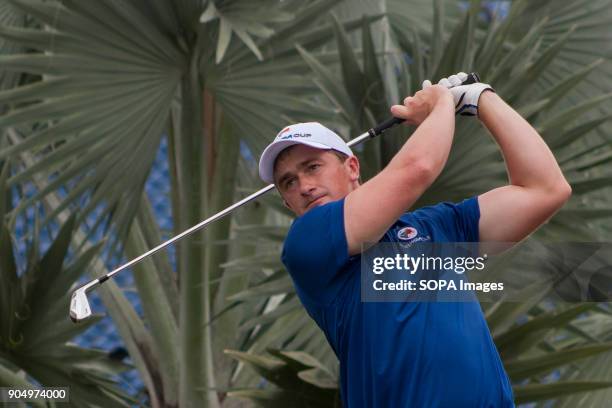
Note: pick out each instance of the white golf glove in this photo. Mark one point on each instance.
(465, 96)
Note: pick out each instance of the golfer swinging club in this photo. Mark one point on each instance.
(407, 354)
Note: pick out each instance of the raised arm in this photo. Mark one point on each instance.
(537, 187)
(373, 207)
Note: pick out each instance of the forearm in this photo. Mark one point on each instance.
(372, 208)
(430, 144)
(529, 161)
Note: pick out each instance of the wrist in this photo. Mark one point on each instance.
(445, 100)
(485, 100)
(486, 94)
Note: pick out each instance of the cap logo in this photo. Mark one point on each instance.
(294, 136)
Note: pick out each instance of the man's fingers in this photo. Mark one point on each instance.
(400, 111)
(462, 76)
(408, 99)
(454, 80)
(426, 84)
(445, 83)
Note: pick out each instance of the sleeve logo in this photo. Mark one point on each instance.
(407, 233)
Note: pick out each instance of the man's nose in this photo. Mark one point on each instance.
(307, 186)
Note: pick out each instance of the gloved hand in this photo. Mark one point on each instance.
(465, 96)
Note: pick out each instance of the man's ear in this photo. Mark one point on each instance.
(353, 165)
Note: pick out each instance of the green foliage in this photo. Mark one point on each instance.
(35, 331)
(301, 380)
(97, 84)
(88, 88)
(475, 166)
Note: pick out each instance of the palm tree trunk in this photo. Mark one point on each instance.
(195, 354)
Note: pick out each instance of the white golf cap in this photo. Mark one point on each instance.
(310, 134)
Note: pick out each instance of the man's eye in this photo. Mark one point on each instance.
(289, 183)
(313, 166)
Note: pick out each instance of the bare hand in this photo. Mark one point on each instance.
(418, 107)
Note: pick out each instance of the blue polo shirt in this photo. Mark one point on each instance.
(396, 354)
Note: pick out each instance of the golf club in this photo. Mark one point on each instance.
(79, 304)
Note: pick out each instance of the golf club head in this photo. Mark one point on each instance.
(79, 305)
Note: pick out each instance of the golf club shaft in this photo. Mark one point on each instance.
(375, 131)
(90, 285)
(191, 230)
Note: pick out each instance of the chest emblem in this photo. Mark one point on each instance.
(407, 233)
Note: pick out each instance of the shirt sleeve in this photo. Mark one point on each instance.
(459, 220)
(316, 252)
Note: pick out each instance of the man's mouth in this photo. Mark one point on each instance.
(315, 201)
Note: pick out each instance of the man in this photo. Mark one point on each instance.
(407, 354)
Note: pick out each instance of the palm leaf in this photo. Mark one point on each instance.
(541, 392)
(529, 367)
(152, 62)
(37, 335)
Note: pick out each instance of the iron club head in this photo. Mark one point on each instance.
(79, 305)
